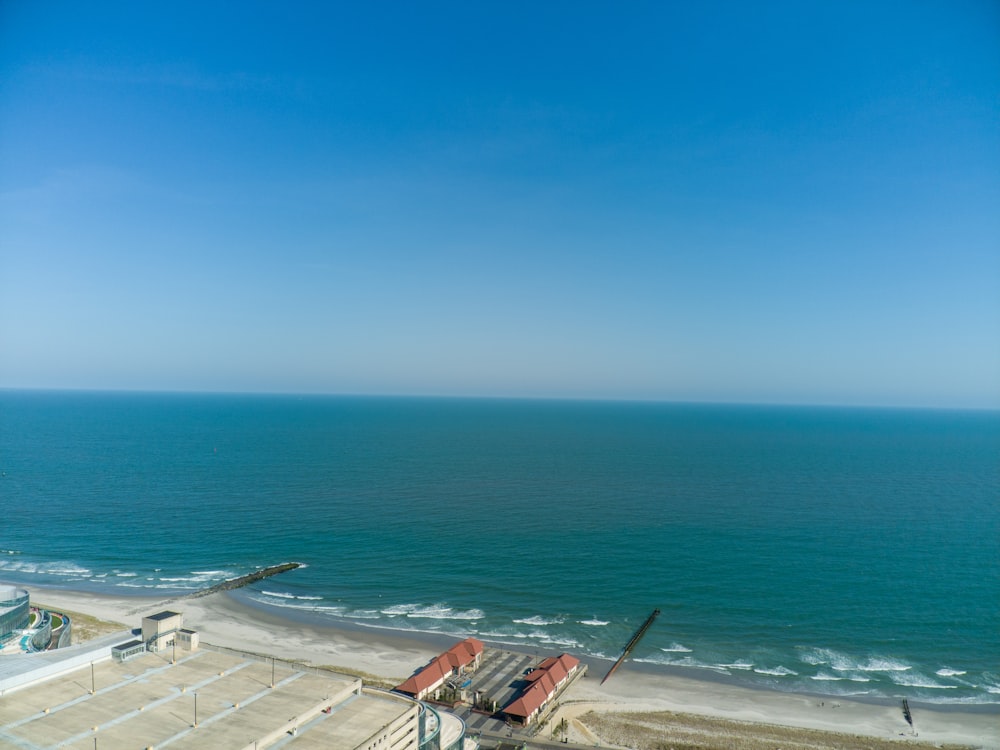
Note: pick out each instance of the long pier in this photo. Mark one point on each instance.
(235, 583)
(632, 644)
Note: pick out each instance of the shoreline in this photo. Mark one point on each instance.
(226, 619)
(597, 666)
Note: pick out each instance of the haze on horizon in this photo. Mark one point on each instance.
(777, 202)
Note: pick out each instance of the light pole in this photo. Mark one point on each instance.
(196, 710)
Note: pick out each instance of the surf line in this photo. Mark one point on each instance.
(632, 644)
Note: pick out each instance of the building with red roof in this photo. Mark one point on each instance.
(464, 656)
(543, 684)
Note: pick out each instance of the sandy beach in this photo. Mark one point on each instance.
(392, 656)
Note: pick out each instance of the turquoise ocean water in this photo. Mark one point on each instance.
(834, 551)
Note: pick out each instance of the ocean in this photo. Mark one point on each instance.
(834, 551)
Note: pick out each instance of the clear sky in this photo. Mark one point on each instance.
(755, 202)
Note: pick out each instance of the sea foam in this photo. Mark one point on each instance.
(538, 620)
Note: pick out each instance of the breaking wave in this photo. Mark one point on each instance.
(432, 612)
(538, 620)
(777, 672)
(676, 648)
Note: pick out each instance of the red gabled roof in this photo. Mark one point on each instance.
(555, 670)
(569, 663)
(470, 646)
(460, 655)
(464, 652)
(542, 682)
(433, 673)
(529, 701)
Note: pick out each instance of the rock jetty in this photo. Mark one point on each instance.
(241, 581)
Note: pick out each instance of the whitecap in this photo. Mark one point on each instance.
(538, 620)
(777, 672)
(745, 666)
(687, 661)
(594, 623)
(364, 614)
(278, 594)
(70, 570)
(872, 664)
(565, 642)
(917, 680)
(844, 663)
(449, 614)
(945, 672)
(399, 609)
(816, 656)
(432, 612)
(676, 648)
(884, 665)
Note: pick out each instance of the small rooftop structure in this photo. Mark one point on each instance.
(159, 631)
(164, 615)
(129, 650)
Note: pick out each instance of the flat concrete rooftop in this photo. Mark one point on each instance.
(348, 726)
(149, 702)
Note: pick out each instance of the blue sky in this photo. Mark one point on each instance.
(773, 202)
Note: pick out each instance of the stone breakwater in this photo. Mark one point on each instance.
(241, 581)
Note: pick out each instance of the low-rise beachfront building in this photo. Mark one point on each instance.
(544, 683)
(465, 656)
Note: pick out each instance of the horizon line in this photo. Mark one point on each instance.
(496, 397)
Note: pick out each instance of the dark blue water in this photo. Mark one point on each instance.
(838, 551)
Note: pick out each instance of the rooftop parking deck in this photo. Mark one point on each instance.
(205, 700)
